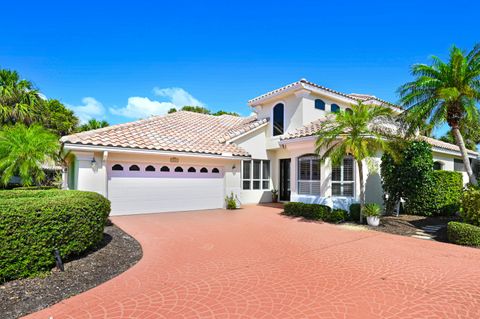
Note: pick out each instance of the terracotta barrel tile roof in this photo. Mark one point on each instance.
(180, 131)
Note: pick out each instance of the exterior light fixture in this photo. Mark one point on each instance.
(94, 163)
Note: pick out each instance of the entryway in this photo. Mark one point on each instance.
(285, 179)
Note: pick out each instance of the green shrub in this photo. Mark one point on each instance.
(463, 234)
(471, 206)
(231, 202)
(32, 188)
(337, 215)
(355, 212)
(308, 211)
(36, 222)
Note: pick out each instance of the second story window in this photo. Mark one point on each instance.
(335, 108)
(319, 104)
(278, 119)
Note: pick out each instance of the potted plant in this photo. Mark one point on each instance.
(372, 212)
(274, 195)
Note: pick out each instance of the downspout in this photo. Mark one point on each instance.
(105, 157)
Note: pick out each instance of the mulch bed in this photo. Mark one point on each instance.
(117, 252)
(408, 225)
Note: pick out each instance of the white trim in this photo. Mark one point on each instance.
(451, 152)
(297, 139)
(246, 133)
(93, 148)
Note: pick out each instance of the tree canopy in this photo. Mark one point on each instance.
(203, 110)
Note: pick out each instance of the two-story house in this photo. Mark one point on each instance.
(190, 161)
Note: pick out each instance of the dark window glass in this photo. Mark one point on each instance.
(349, 111)
(278, 120)
(178, 169)
(246, 184)
(192, 170)
(336, 189)
(458, 165)
(437, 166)
(319, 104)
(134, 168)
(164, 169)
(256, 184)
(150, 168)
(246, 169)
(266, 184)
(204, 170)
(336, 173)
(348, 189)
(266, 169)
(117, 167)
(256, 169)
(348, 169)
(335, 108)
(304, 167)
(215, 170)
(315, 169)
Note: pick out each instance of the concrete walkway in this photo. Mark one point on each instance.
(256, 263)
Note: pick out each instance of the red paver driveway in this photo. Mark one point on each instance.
(256, 263)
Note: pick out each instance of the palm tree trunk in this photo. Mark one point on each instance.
(362, 189)
(463, 151)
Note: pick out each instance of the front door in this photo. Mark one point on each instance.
(285, 179)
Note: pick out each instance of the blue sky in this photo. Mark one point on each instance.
(118, 61)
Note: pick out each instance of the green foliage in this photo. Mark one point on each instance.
(355, 211)
(33, 188)
(57, 118)
(35, 222)
(221, 112)
(93, 124)
(463, 234)
(337, 215)
(172, 110)
(471, 206)
(308, 211)
(23, 150)
(231, 201)
(372, 210)
(203, 110)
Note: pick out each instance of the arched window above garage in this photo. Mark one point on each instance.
(117, 167)
(134, 168)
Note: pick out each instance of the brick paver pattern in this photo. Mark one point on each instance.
(257, 263)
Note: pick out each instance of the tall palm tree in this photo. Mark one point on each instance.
(360, 133)
(93, 124)
(445, 92)
(19, 99)
(23, 151)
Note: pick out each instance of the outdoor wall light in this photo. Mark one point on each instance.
(94, 163)
(234, 167)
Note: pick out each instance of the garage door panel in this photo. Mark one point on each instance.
(132, 195)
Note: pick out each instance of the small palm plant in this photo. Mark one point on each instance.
(357, 133)
(445, 92)
(23, 151)
(372, 210)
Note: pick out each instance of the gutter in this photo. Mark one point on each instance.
(112, 149)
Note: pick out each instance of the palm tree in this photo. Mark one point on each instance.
(445, 92)
(93, 124)
(19, 99)
(359, 133)
(23, 151)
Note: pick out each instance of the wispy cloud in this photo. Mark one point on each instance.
(142, 107)
(90, 108)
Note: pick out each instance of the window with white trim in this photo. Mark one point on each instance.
(343, 178)
(256, 174)
(309, 175)
(458, 165)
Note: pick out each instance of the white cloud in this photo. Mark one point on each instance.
(91, 108)
(142, 107)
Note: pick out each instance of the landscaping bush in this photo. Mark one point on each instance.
(31, 188)
(337, 215)
(355, 212)
(463, 234)
(34, 223)
(471, 206)
(308, 211)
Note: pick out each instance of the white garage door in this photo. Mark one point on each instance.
(151, 188)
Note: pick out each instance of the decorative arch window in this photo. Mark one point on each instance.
(178, 169)
(343, 178)
(164, 169)
(134, 168)
(203, 170)
(278, 119)
(117, 167)
(215, 170)
(335, 108)
(349, 110)
(319, 104)
(192, 170)
(438, 166)
(150, 168)
(309, 175)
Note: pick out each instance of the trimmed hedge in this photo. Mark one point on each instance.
(337, 215)
(308, 211)
(471, 206)
(33, 223)
(32, 188)
(463, 234)
(355, 212)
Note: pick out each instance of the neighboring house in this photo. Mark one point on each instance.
(188, 161)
